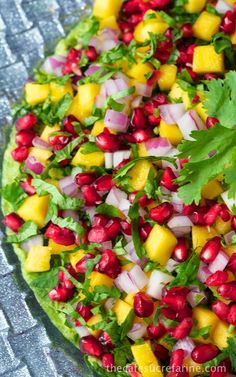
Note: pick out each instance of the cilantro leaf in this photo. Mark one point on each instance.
(65, 153)
(186, 272)
(202, 332)
(89, 147)
(127, 325)
(46, 280)
(222, 44)
(69, 223)
(118, 248)
(108, 210)
(14, 194)
(27, 230)
(103, 292)
(134, 216)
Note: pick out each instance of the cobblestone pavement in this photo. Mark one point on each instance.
(29, 344)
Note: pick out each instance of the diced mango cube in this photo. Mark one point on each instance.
(222, 227)
(167, 76)
(206, 60)
(98, 128)
(178, 93)
(83, 102)
(205, 317)
(41, 155)
(93, 321)
(76, 256)
(121, 310)
(88, 160)
(139, 175)
(142, 151)
(109, 22)
(48, 131)
(220, 334)
(139, 71)
(38, 259)
(194, 369)
(36, 93)
(154, 25)
(129, 299)
(212, 190)
(206, 26)
(200, 236)
(34, 208)
(233, 38)
(96, 278)
(57, 248)
(201, 111)
(195, 6)
(160, 244)
(146, 360)
(106, 8)
(171, 132)
(128, 267)
(230, 250)
(57, 91)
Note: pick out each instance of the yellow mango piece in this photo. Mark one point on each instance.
(35, 209)
(75, 257)
(206, 60)
(121, 310)
(93, 321)
(56, 248)
(98, 128)
(222, 227)
(83, 102)
(142, 30)
(167, 76)
(171, 132)
(201, 111)
(193, 368)
(128, 267)
(88, 160)
(36, 93)
(230, 250)
(109, 22)
(146, 360)
(40, 154)
(178, 93)
(195, 6)
(96, 278)
(206, 26)
(233, 38)
(231, 2)
(142, 151)
(139, 175)
(160, 244)
(48, 131)
(212, 190)
(205, 317)
(53, 182)
(106, 8)
(139, 70)
(220, 334)
(129, 299)
(57, 91)
(200, 236)
(38, 259)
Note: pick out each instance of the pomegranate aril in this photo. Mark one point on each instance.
(68, 126)
(112, 229)
(64, 281)
(177, 358)
(144, 231)
(143, 305)
(74, 54)
(138, 136)
(176, 303)
(162, 213)
(233, 222)
(211, 122)
(167, 180)
(127, 37)
(168, 313)
(198, 216)
(26, 122)
(210, 76)
(59, 140)
(138, 119)
(91, 53)
(187, 30)
(211, 215)
(220, 309)
(13, 221)
(27, 186)
(155, 332)
(108, 142)
(126, 227)
(24, 138)
(97, 234)
(232, 263)
(20, 154)
(108, 361)
(133, 371)
(62, 236)
(109, 264)
(189, 209)
(181, 250)
(224, 213)
(105, 340)
(219, 277)
(221, 370)
(81, 265)
(104, 183)
(210, 250)
(85, 178)
(89, 345)
(228, 290)
(161, 352)
(159, 4)
(84, 311)
(90, 195)
(183, 329)
(228, 23)
(61, 294)
(232, 315)
(144, 200)
(99, 220)
(204, 352)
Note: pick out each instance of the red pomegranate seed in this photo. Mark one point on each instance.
(64, 281)
(138, 136)
(108, 361)
(162, 213)
(204, 352)
(161, 352)
(228, 290)
(183, 329)
(84, 311)
(224, 213)
(68, 126)
(24, 138)
(90, 346)
(160, 4)
(108, 142)
(91, 54)
(59, 140)
(105, 340)
(104, 183)
(210, 76)
(145, 230)
(228, 23)
(177, 358)
(20, 154)
(189, 209)
(187, 30)
(181, 250)
(27, 186)
(211, 215)
(81, 265)
(168, 313)
(61, 294)
(233, 222)
(154, 120)
(74, 54)
(220, 309)
(98, 234)
(177, 291)
(232, 263)
(185, 313)
(13, 221)
(138, 119)
(155, 332)
(62, 236)
(99, 220)
(109, 264)
(127, 37)
(144, 201)
(90, 195)
(134, 19)
(26, 122)
(85, 178)
(210, 250)
(133, 371)
(232, 315)
(219, 277)
(198, 216)
(176, 303)
(112, 229)
(211, 122)
(126, 227)
(221, 370)
(167, 180)
(193, 76)
(143, 305)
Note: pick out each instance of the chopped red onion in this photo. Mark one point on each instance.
(178, 203)
(157, 282)
(228, 237)
(33, 241)
(125, 284)
(115, 196)
(131, 253)
(172, 112)
(110, 87)
(99, 101)
(116, 120)
(136, 102)
(203, 272)
(107, 45)
(137, 332)
(40, 143)
(138, 277)
(54, 64)
(82, 331)
(185, 344)
(195, 297)
(219, 263)
(109, 303)
(180, 225)
(143, 90)
(34, 165)
(108, 160)
(173, 152)
(158, 146)
(71, 213)
(91, 211)
(91, 70)
(121, 84)
(171, 265)
(189, 122)
(222, 7)
(106, 245)
(120, 156)
(124, 206)
(68, 186)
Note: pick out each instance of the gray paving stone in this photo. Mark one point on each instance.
(21, 372)
(7, 358)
